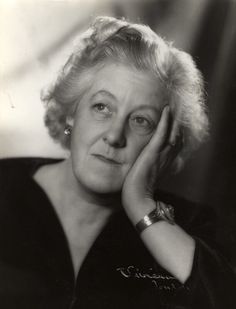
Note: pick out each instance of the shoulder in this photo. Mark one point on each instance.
(15, 169)
(23, 163)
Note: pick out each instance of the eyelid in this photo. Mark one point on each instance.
(147, 118)
(107, 106)
(142, 129)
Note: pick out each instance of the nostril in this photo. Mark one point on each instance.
(120, 143)
(114, 139)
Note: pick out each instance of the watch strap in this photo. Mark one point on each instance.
(162, 212)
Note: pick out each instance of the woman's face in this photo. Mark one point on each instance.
(113, 122)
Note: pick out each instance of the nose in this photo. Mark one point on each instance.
(115, 135)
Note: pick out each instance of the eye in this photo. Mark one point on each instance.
(141, 121)
(101, 108)
(141, 124)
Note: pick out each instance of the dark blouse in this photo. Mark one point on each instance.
(36, 270)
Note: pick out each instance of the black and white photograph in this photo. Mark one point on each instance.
(117, 154)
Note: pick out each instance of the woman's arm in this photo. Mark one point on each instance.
(171, 247)
(186, 256)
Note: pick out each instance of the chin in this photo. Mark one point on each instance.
(105, 188)
(97, 184)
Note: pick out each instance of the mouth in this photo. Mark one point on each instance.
(107, 159)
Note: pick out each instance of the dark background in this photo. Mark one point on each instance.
(209, 176)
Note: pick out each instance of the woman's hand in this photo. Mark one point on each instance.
(154, 160)
(170, 246)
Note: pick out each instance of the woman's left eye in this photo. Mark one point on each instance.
(141, 121)
(101, 108)
(142, 124)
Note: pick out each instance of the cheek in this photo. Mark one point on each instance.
(83, 131)
(81, 140)
(85, 137)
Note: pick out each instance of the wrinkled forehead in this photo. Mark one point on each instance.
(123, 81)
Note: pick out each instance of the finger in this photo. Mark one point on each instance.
(175, 132)
(158, 140)
(179, 142)
(167, 156)
(171, 151)
(166, 159)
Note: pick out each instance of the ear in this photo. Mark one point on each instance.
(70, 121)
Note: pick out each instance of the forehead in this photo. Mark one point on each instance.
(126, 83)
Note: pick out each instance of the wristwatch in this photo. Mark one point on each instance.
(162, 212)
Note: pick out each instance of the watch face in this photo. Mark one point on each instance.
(170, 210)
(161, 212)
(165, 212)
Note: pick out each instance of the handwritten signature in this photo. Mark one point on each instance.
(160, 281)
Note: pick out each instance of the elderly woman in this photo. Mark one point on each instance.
(93, 231)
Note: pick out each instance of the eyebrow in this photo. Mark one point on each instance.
(112, 96)
(144, 107)
(104, 92)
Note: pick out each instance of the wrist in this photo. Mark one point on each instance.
(136, 212)
(162, 212)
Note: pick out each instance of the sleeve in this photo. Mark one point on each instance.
(212, 282)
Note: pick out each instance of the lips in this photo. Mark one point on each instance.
(107, 159)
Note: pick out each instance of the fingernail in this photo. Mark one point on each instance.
(173, 141)
(166, 108)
